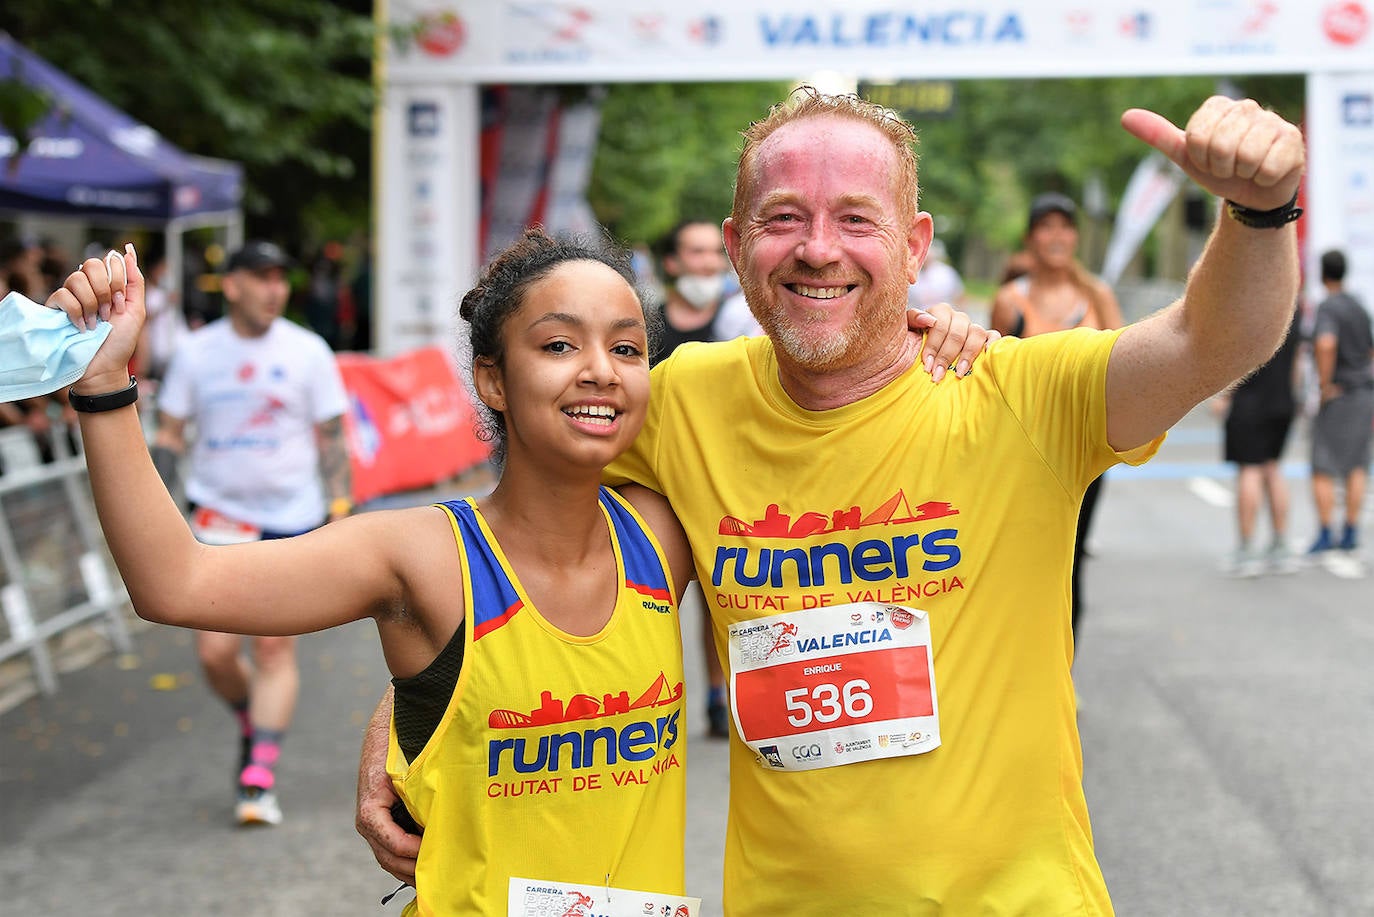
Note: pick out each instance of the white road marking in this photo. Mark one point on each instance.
(1209, 491)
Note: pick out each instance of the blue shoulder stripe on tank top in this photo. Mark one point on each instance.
(494, 598)
(643, 569)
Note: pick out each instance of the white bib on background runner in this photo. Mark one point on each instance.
(213, 527)
(835, 685)
(537, 898)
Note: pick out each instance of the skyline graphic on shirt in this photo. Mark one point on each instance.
(895, 510)
(552, 710)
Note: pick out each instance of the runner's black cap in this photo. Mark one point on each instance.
(258, 255)
(1051, 202)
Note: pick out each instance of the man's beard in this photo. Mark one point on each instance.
(802, 340)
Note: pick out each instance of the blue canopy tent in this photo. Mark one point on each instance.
(88, 160)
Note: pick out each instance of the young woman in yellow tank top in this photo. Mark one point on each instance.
(540, 621)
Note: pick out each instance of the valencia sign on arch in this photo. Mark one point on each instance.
(882, 29)
(442, 52)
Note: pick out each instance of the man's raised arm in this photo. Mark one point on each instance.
(1239, 298)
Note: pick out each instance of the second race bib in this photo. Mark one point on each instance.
(212, 527)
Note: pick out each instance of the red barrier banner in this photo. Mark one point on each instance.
(409, 423)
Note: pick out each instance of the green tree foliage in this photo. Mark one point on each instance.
(283, 86)
(667, 151)
(1011, 139)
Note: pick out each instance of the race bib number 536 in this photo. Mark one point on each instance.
(835, 685)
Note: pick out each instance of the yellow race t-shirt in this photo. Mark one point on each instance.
(959, 500)
(560, 757)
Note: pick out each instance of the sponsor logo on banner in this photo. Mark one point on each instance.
(1357, 109)
(422, 119)
(1235, 27)
(895, 29)
(1138, 26)
(1079, 24)
(440, 34)
(1082, 26)
(187, 197)
(555, 32)
(707, 30)
(46, 148)
(1346, 23)
(409, 423)
(364, 440)
(138, 140)
(648, 28)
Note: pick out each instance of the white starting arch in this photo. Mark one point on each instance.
(439, 54)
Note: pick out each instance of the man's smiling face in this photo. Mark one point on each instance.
(826, 250)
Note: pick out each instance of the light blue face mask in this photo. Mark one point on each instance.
(41, 351)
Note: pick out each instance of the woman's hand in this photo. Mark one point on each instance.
(952, 340)
(111, 290)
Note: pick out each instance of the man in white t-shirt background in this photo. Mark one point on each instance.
(264, 402)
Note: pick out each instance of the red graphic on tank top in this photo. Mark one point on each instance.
(895, 510)
(585, 707)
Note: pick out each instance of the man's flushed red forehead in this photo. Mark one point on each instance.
(843, 135)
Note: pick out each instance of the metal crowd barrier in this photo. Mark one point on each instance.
(55, 573)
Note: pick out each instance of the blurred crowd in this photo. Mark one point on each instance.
(331, 293)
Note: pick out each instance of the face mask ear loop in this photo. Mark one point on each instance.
(111, 259)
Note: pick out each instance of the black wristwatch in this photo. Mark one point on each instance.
(105, 401)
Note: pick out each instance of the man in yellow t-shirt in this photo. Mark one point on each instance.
(887, 562)
(836, 503)
(896, 512)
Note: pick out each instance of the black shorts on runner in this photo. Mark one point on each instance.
(1256, 440)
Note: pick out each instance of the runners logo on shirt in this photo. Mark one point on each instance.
(836, 563)
(596, 746)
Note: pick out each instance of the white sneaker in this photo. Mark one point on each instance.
(257, 807)
(1344, 564)
(1244, 563)
(1281, 560)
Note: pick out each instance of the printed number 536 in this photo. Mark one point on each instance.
(826, 703)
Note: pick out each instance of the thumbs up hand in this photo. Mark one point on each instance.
(1232, 148)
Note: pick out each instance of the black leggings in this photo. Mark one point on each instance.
(1085, 519)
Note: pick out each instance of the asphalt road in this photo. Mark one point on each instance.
(1228, 730)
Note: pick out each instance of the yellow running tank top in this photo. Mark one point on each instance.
(559, 757)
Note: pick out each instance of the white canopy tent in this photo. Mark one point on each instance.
(441, 53)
